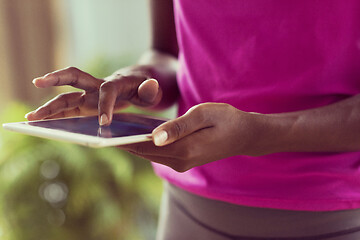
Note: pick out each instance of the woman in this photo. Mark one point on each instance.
(268, 139)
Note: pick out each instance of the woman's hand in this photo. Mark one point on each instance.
(100, 96)
(206, 133)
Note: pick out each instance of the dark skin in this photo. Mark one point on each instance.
(207, 132)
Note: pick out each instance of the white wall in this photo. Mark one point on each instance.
(112, 29)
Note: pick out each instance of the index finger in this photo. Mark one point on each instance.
(69, 76)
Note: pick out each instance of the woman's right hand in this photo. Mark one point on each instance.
(131, 85)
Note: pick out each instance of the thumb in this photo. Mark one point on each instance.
(178, 128)
(149, 90)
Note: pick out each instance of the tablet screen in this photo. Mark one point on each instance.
(122, 125)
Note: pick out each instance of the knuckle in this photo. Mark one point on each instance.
(107, 86)
(201, 113)
(126, 78)
(226, 106)
(63, 98)
(126, 87)
(54, 75)
(200, 107)
(72, 69)
(74, 75)
(44, 111)
(179, 128)
(82, 99)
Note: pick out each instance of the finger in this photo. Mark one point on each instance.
(148, 148)
(104, 132)
(184, 148)
(149, 92)
(65, 114)
(57, 105)
(193, 120)
(173, 163)
(107, 99)
(167, 161)
(126, 89)
(69, 76)
(138, 90)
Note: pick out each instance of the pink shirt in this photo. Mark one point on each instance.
(271, 56)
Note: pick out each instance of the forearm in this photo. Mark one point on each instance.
(162, 56)
(332, 128)
(163, 67)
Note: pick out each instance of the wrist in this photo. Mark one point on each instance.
(159, 59)
(269, 133)
(163, 67)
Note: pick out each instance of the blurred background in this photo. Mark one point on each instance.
(52, 190)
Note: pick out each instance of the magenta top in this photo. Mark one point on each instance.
(271, 56)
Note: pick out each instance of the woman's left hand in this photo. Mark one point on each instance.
(206, 133)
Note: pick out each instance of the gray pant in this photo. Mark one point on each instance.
(184, 216)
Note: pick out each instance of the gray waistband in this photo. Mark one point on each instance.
(262, 222)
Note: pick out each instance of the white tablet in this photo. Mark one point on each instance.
(126, 128)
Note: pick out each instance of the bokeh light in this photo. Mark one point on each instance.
(49, 169)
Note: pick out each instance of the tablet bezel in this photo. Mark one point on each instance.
(78, 138)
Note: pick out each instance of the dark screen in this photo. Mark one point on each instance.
(122, 125)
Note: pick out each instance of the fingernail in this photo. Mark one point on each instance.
(104, 119)
(26, 115)
(160, 138)
(35, 79)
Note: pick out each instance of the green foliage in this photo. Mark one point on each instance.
(55, 190)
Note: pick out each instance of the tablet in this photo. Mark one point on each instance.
(126, 128)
